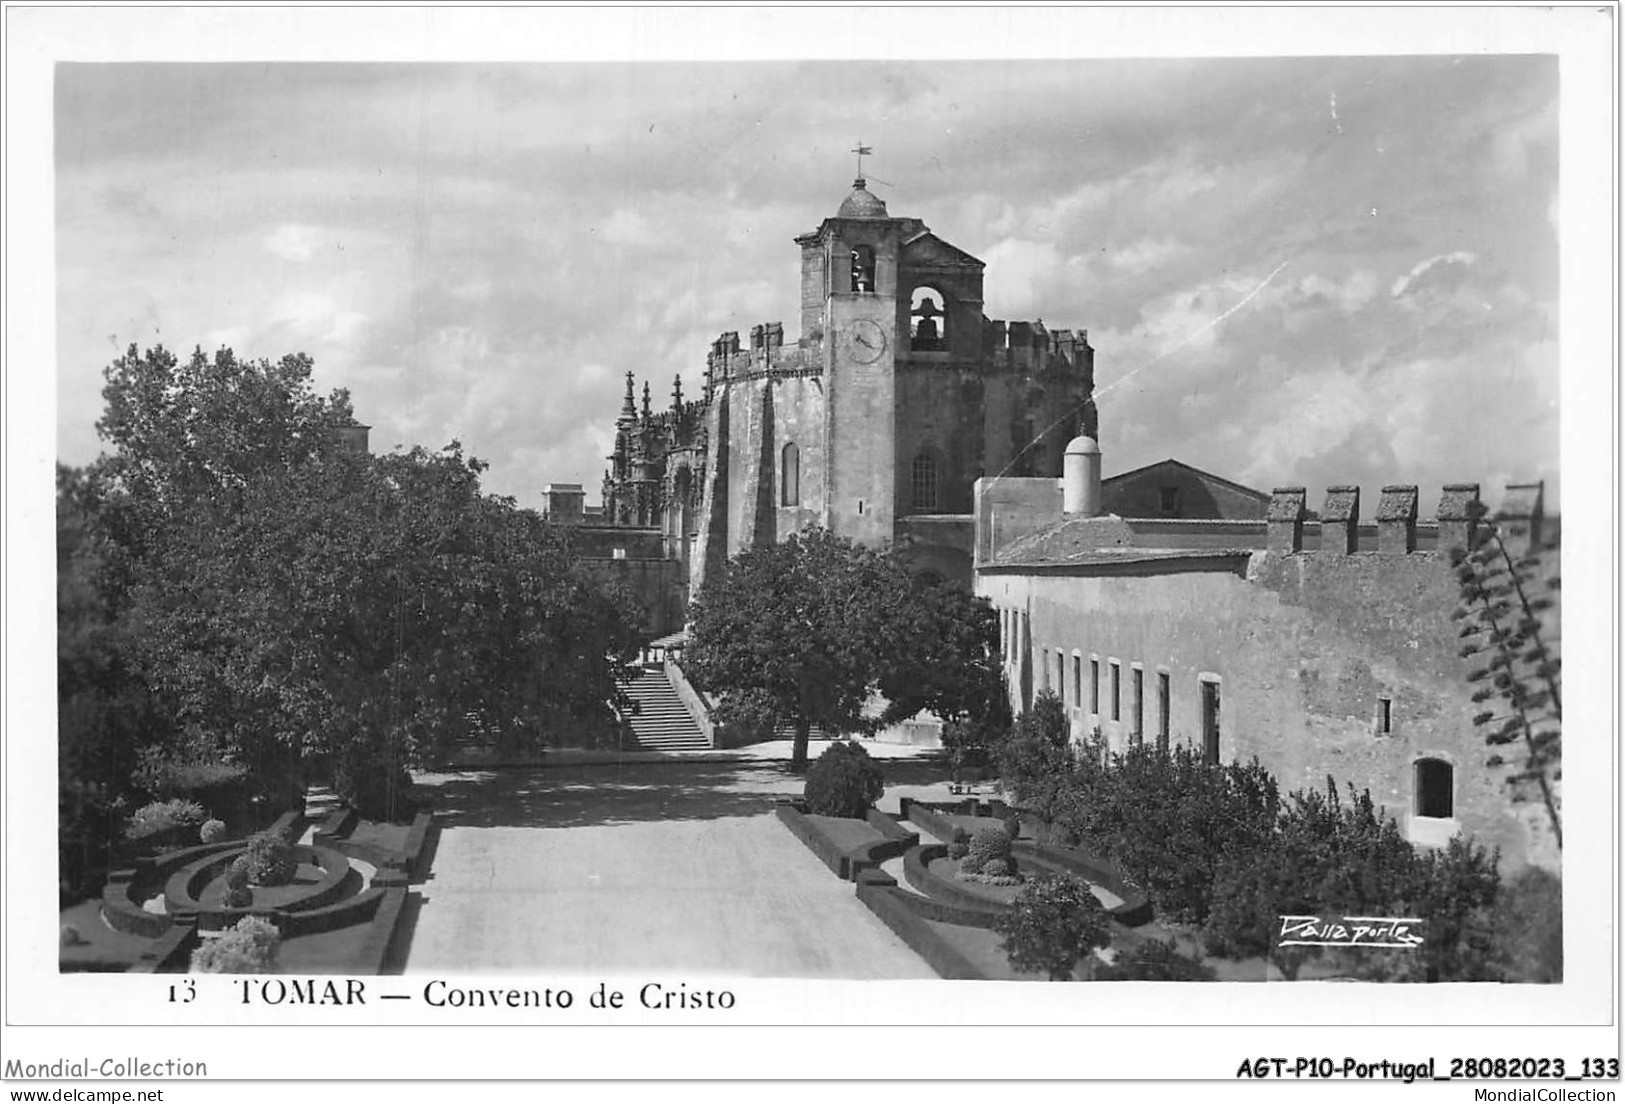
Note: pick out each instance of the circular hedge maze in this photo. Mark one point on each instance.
(327, 890)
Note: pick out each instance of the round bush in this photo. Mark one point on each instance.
(164, 817)
(237, 874)
(959, 844)
(988, 843)
(844, 781)
(212, 830)
(238, 897)
(996, 868)
(1012, 825)
(270, 860)
(248, 948)
(1051, 924)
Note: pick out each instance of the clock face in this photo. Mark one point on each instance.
(865, 341)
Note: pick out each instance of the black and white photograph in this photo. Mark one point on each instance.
(555, 527)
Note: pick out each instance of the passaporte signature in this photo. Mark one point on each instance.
(1349, 931)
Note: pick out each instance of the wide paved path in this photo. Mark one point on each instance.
(656, 867)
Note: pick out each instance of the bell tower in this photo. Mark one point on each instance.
(849, 288)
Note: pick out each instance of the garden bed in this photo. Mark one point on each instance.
(847, 845)
(329, 913)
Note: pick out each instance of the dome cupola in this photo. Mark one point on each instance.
(862, 203)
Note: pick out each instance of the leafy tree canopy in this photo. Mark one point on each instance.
(287, 599)
(813, 626)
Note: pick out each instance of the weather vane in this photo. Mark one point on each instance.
(861, 150)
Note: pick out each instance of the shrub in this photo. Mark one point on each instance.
(1529, 927)
(1154, 960)
(212, 783)
(986, 845)
(163, 818)
(237, 874)
(959, 844)
(996, 868)
(238, 896)
(1168, 819)
(844, 781)
(1012, 825)
(370, 789)
(1051, 924)
(71, 936)
(212, 830)
(270, 860)
(248, 948)
(968, 744)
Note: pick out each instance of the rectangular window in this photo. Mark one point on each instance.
(1094, 686)
(1139, 704)
(1117, 691)
(1162, 710)
(1210, 722)
(1168, 500)
(1077, 681)
(1385, 716)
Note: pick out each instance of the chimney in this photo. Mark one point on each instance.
(1080, 489)
(354, 438)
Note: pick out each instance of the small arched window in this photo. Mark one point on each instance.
(790, 476)
(863, 268)
(928, 322)
(923, 481)
(1435, 789)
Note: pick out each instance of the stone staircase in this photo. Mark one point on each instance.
(660, 721)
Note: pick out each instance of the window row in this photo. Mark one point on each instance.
(923, 479)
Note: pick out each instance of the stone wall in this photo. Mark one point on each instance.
(1303, 647)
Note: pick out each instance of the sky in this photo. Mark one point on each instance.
(1293, 271)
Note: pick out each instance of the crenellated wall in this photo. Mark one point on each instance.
(1336, 656)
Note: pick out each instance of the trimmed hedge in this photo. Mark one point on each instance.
(906, 914)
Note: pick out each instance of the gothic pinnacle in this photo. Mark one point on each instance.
(629, 409)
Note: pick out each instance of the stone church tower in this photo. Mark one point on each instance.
(877, 421)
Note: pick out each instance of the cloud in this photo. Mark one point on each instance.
(293, 242)
(627, 227)
(481, 251)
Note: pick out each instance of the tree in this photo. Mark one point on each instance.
(1053, 922)
(294, 603)
(1500, 607)
(945, 659)
(802, 624)
(1332, 857)
(1037, 762)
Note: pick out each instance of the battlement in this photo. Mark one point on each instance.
(1031, 348)
(1397, 529)
(730, 359)
(1021, 524)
